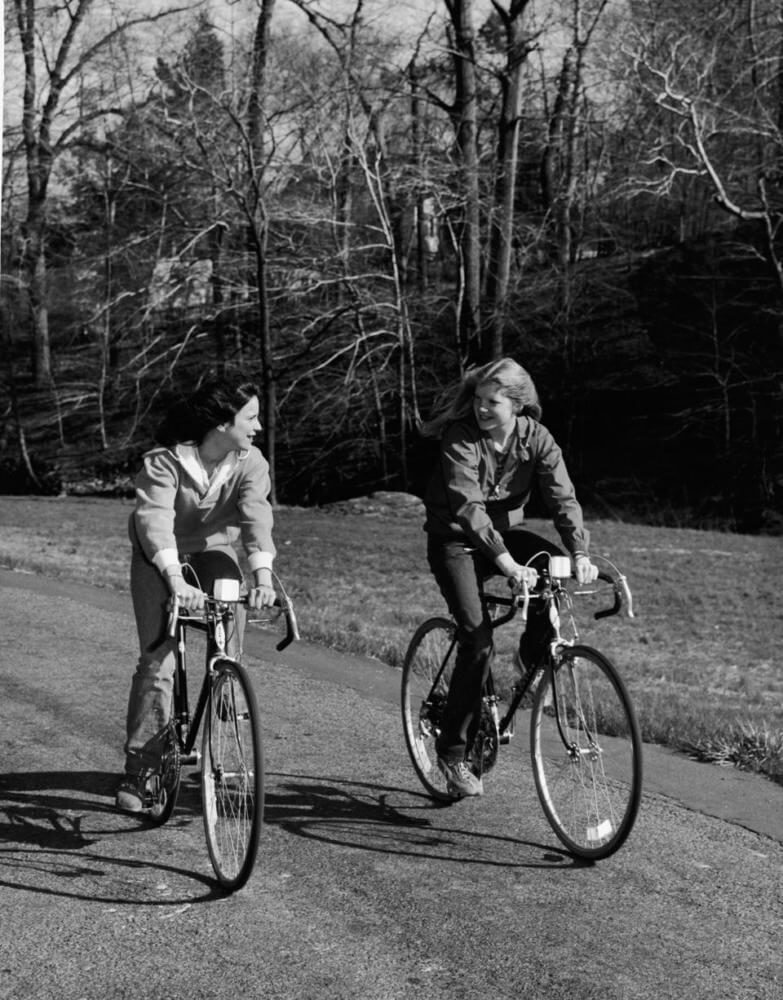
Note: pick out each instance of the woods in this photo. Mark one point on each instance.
(354, 206)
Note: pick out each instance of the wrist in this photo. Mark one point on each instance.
(505, 563)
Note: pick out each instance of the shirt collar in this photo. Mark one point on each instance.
(191, 462)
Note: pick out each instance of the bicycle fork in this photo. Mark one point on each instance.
(574, 751)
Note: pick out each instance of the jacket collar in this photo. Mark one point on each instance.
(520, 444)
(524, 432)
(188, 457)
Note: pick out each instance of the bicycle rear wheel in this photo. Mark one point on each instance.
(232, 774)
(426, 675)
(587, 753)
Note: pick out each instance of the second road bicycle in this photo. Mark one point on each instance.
(585, 743)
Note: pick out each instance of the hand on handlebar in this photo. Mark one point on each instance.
(186, 596)
(520, 575)
(585, 571)
(261, 597)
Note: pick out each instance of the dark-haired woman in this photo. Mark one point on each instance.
(493, 450)
(205, 487)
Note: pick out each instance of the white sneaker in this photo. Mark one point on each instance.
(461, 782)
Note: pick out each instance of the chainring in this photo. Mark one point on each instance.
(165, 783)
(484, 751)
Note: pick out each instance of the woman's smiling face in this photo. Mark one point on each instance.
(245, 425)
(493, 409)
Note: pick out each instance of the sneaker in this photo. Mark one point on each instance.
(460, 780)
(132, 793)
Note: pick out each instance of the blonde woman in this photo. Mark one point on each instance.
(493, 451)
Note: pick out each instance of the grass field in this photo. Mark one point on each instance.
(702, 658)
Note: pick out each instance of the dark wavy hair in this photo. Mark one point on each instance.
(509, 377)
(193, 415)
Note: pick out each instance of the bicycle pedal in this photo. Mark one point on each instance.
(190, 759)
(505, 737)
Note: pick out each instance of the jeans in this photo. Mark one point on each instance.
(459, 571)
(149, 702)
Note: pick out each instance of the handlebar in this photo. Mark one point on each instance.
(213, 606)
(291, 627)
(617, 580)
(622, 592)
(608, 612)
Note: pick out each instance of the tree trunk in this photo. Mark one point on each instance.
(464, 116)
(256, 123)
(555, 169)
(502, 228)
(422, 256)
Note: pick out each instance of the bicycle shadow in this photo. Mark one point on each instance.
(89, 792)
(52, 824)
(378, 818)
(48, 808)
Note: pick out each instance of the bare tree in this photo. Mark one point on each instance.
(258, 228)
(712, 84)
(365, 181)
(464, 113)
(50, 75)
(517, 45)
(723, 100)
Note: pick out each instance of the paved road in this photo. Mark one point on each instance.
(364, 889)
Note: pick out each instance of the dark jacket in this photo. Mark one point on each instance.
(463, 497)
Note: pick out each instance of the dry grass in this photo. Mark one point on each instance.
(701, 658)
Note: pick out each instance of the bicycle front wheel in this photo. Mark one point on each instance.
(426, 675)
(587, 753)
(232, 774)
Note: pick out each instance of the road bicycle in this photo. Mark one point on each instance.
(226, 714)
(585, 742)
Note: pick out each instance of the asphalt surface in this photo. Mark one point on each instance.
(363, 888)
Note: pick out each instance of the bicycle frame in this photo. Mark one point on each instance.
(215, 623)
(553, 592)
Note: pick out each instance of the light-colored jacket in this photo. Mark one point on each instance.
(180, 510)
(465, 497)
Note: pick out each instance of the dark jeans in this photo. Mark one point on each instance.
(459, 571)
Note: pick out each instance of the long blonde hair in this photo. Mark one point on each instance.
(510, 378)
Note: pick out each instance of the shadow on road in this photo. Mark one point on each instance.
(60, 830)
(370, 817)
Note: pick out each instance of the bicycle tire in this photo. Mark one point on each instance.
(232, 774)
(430, 657)
(165, 781)
(587, 756)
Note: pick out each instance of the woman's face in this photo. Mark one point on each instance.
(494, 410)
(245, 426)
